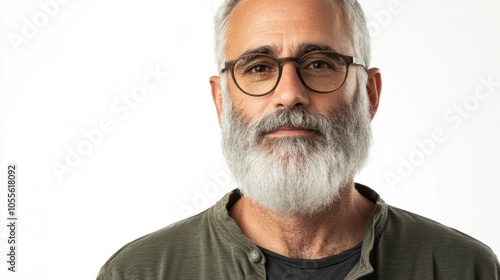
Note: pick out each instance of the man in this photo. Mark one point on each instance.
(295, 99)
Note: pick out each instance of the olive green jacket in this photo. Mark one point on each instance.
(397, 245)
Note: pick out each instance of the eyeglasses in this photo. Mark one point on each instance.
(320, 71)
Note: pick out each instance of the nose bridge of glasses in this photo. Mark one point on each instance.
(286, 59)
(295, 75)
(296, 62)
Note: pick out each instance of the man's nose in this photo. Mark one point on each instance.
(290, 91)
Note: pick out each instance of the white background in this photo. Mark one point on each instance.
(162, 162)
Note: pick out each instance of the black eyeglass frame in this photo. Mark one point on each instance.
(349, 60)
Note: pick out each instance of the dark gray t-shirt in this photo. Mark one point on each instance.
(279, 267)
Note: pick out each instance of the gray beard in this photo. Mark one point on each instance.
(297, 175)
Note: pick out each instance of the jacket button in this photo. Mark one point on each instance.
(255, 256)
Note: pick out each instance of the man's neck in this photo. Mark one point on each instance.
(324, 234)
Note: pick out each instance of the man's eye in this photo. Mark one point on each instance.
(320, 65)
(255, 66)
(258, 69)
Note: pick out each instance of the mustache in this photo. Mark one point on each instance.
(295, 117)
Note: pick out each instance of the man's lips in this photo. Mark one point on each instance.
(290, 130)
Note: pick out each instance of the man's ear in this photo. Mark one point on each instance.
(216, 95)
(374, 88)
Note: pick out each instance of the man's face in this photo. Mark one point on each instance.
(293, 150)
(284, 28)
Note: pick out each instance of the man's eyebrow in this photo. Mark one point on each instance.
(301, 50)
(259, 50)
(307, 48)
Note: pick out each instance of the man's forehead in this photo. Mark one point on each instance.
(286, 27)
(265, 2)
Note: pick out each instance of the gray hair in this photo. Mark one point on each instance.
(353, 14)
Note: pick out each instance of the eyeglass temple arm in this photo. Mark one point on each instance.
(359, 61)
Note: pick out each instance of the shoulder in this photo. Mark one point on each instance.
(180, 249)
(419, 228)
(418, 241)
(409, 246)
(398, 230)
(149, 255)
(171, 236)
